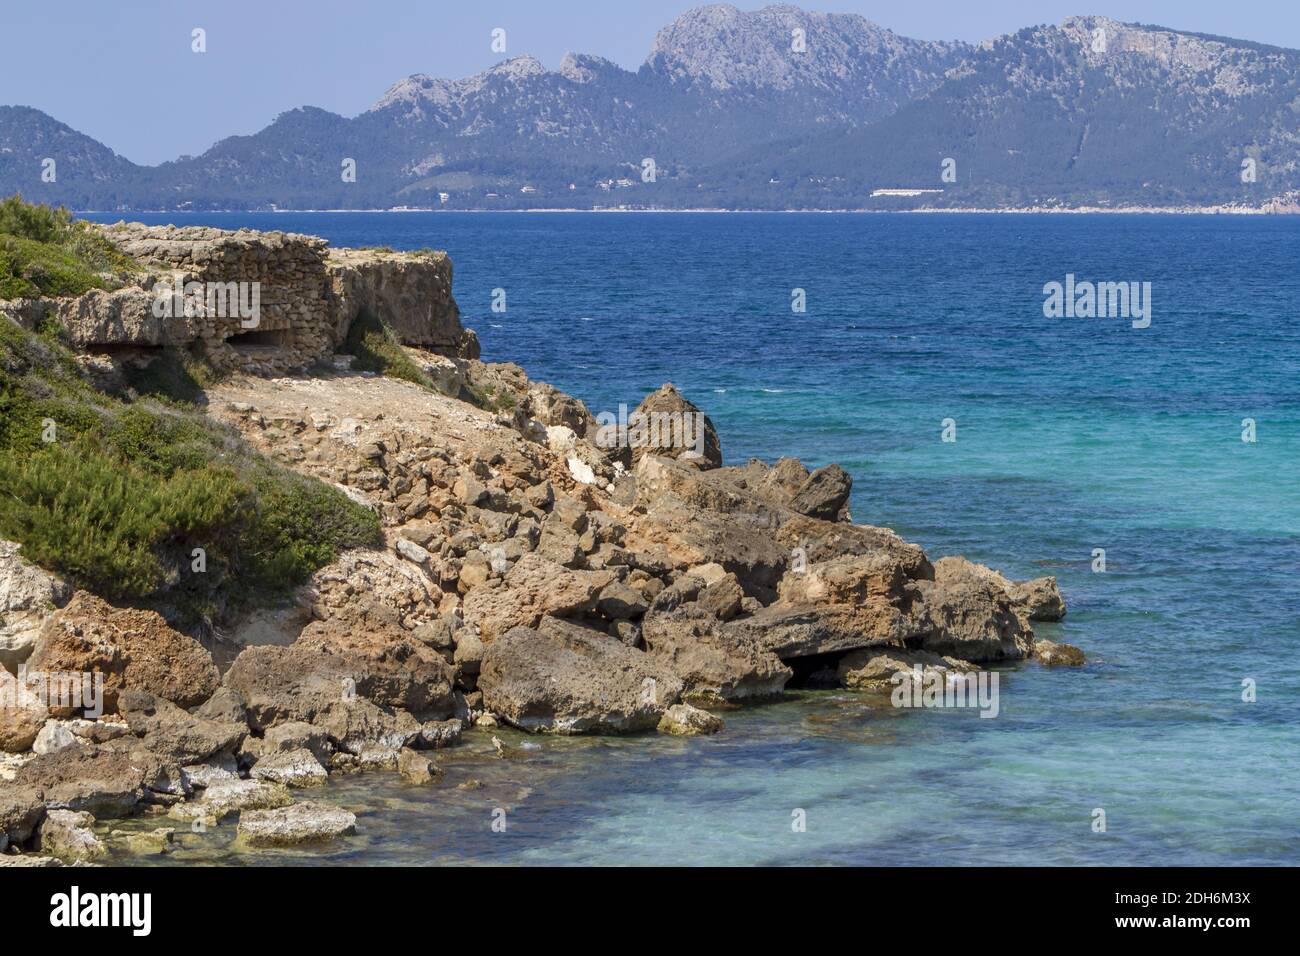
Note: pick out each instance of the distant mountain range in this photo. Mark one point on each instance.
(774, 109)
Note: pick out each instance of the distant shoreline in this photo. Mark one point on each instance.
(1013, 210)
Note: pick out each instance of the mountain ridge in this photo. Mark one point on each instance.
(775, 108)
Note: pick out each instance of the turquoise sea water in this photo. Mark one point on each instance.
(1072, 435)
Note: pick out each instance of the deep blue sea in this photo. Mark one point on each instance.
(1073, 434)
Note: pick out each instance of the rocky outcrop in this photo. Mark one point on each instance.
(261, 302)
(22, 714)
(409, 292)
(675, 428)
(129, 648)
(568, 679)
(530, 574)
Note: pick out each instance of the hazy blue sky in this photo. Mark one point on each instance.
(122, 70)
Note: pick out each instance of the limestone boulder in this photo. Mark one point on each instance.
(824, 495)
(972, 617)
(1053, 654)
(683, 720)
(109, 780)
(22, 714)
(131, 648)
(673, 427)
(568, 679)
(534, 588)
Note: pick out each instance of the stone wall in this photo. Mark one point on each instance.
(307, 295)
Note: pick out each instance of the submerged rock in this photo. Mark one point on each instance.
(1052, 654)
(67, 835)
(683, 720)
(131, 648)
(296, 824)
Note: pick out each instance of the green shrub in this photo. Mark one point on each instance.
(126, 491)
(377, 349)
(44, 251)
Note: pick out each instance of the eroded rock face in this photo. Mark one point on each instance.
(568, 679)
(22, 715)
(532, 589)
(410, 292)
(307, 297)
(28, 595)
(673, 430)
(132, 649)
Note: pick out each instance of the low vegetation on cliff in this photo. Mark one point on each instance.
(44, 251)
(119, 495)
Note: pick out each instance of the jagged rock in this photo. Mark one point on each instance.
(174, 734)
(67, 835)
(224, 705)
(874, 668)
(683, 720)
(108, 780)
(225, 798)
(28, 595)
(22, 714)
(723, 598)
(442, 733)
(132, 649)
(57, 734)
(972, 616)
(200, 776)
(354, 725)
(713, 665)
(619, 602)
(1040, 598)
(665, 413)
(293, 825)
(293, 768)
(534, 587)
(1053, 654)
(824, 495)
(334, 664)
(21, 811)
(296, 735)
(1036, 600)
(569, 679)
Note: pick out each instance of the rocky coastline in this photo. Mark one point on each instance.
(529, 572)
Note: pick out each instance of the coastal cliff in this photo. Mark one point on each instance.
(465, 548)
